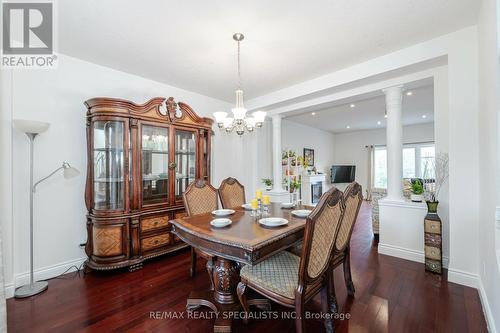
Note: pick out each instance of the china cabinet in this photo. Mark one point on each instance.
(141, 158)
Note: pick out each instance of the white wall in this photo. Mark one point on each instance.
(57, 96)
(489, 270)
(350, 147)
(296, 137)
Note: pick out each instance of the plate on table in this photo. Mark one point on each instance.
(247, 206)
(287, 205)
(301, 212)
(220, 223)
(273, 221)
(223, 212)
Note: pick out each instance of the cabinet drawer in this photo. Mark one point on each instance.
(433, 266)
(432, 239)
(432, 252)
(433, 226)
(153, 223)
(155, 241)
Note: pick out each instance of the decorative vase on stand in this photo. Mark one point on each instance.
(433, 239)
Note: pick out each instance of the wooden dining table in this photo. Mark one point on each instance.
(244, 242)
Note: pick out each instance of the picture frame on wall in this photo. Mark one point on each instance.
(309, 156)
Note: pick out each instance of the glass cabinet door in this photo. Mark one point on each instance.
(154, 165)
(108, 165)
(185, 160)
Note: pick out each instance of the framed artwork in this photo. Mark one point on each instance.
(309, 156)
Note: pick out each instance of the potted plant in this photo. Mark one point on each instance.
(294, 185)
(440, 168)
(417, 191)
(268, 183)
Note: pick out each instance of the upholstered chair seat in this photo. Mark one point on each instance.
(279, 274)
(293, 281)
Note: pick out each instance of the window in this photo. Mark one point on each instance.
(418, 162)
(380, 167)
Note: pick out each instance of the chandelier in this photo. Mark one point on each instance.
(239, 122)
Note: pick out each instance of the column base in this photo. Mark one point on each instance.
(278, 195)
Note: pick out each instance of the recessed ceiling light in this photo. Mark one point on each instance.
(379, 122)
(424, 116)
(348, 127)
(385, 115)
(409, 93)
(313, 113)
(352, 105)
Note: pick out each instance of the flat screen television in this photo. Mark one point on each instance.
(343, 173)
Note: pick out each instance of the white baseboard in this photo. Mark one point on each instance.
(405, 253)
(463, 278)
(486, 308)
(43, 273)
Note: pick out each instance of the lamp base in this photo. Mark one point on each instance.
(30, 290)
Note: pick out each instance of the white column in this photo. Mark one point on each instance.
(393, 100)
(277, 169)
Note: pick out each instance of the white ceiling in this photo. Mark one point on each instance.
(369, 110)
(188, 44)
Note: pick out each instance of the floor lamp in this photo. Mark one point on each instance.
(32, 129)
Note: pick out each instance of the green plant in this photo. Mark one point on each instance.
(267, 181)
(417, 187)
(294, 185)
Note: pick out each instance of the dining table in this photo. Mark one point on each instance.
(243, 242)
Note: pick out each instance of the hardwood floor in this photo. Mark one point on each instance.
(392, 295)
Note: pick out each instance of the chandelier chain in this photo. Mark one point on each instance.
(239, 67)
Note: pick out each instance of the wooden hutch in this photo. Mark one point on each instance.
(140, 160)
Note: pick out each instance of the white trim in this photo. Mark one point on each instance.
(464, 278)
(402, 203)
(405, 253)
(486, 308)
(44, 273)
(497, 215)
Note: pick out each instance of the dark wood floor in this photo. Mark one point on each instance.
(392, 295)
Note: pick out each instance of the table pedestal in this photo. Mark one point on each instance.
(223, 299)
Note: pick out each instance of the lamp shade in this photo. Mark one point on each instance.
(30, 126)
(220, 116)
(259, 116)
(239, 113)
(69, 171)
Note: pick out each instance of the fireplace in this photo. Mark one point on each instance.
(312, 188)
(316, 192)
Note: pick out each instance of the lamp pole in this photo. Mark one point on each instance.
(34, 287)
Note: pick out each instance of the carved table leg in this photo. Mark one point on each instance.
(226, 275)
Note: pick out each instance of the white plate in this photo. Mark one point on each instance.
(273, 221)
(247, 206)
(223, 212)
(287, 204)
(221, 223)
(301, 212)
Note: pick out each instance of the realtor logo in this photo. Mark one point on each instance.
(28, 34)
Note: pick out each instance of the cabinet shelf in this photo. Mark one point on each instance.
(155, 151)
(108, 180)
(109, 149)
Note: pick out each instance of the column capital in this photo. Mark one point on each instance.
(393, 89)
(276, 117)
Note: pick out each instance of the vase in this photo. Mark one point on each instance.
(432, 206)
(416, 197)
(269, 187)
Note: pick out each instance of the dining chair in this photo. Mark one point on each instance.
(232, 193)
(199, 198)
(292, 281)
(351, 199)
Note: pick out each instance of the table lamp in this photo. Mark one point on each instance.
(32, 128)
